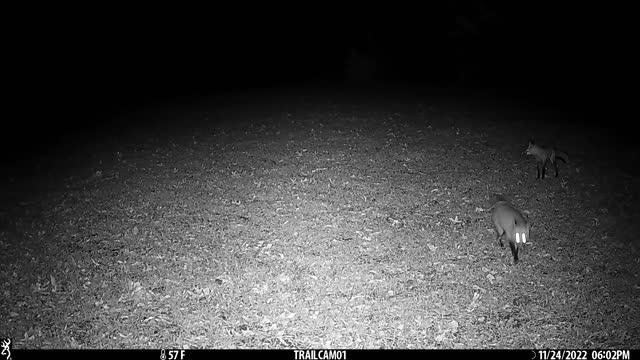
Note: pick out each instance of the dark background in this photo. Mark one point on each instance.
(76, 69)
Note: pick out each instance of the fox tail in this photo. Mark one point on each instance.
(562, 156)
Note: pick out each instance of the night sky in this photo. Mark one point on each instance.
(76, 69)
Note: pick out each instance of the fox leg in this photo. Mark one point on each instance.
(542, 169)
(538, 170)
(555, 164)
(514, 252)
(499, 238)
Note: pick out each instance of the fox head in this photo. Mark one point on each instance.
(521, 234)
(530, 147)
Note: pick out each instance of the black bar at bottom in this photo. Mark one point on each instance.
(328, 354)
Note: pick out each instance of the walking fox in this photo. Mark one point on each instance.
(510, 222)
(545, 155)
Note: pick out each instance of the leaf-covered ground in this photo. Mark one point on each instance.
(311, 224)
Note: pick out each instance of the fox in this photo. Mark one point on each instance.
(510, 222)
(544, 156)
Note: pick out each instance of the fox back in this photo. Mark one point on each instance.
(510, 223)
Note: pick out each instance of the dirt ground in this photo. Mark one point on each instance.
(307, 222)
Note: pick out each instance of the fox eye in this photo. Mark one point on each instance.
(524, 238)
(518, 238)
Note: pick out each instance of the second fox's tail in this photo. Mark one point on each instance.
(562, 156)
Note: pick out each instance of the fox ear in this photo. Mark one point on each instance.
(531, 141)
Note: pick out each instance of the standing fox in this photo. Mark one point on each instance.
(544, 156)
(510, 222)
